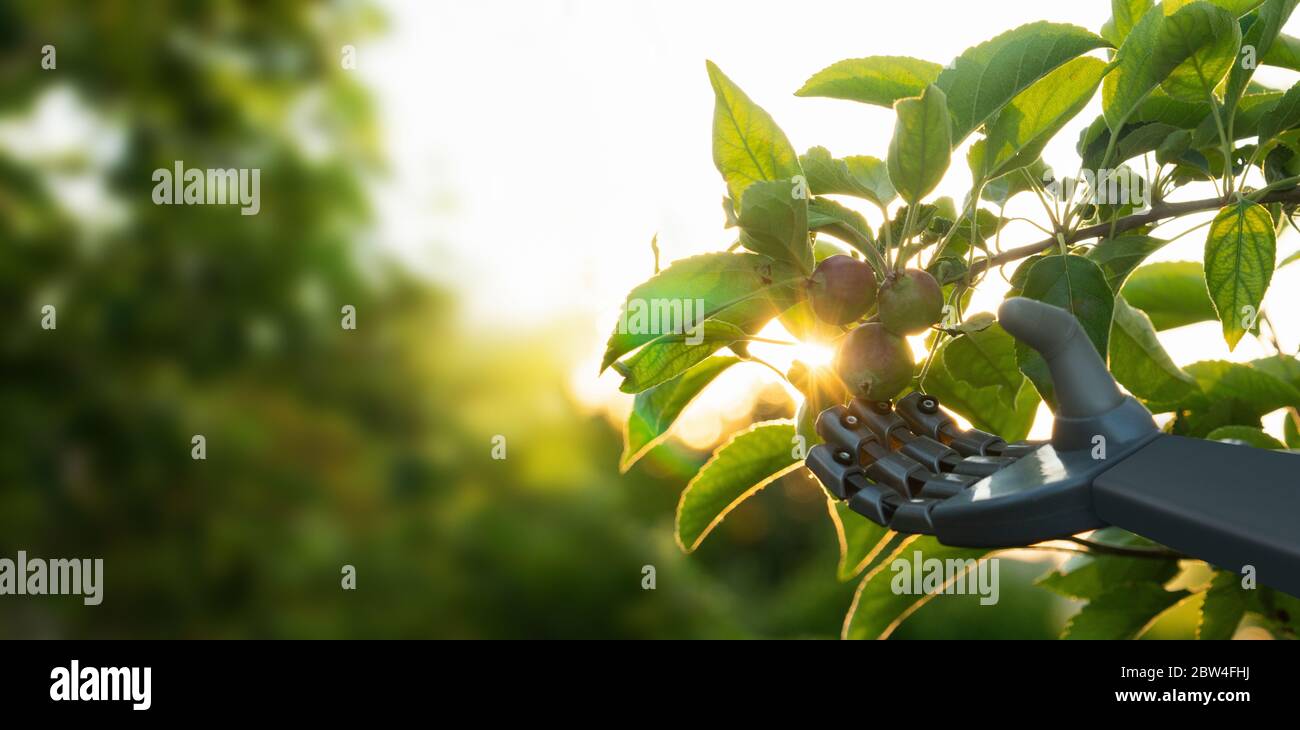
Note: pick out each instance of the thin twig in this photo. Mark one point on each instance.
(1169, 210)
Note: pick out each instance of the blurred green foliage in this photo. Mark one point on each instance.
(325, 447)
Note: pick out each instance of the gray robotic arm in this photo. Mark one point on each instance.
(909, 467)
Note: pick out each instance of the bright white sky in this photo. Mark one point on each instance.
(539, 145)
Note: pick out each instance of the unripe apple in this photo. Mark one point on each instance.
(873, 362)
(842, 289)
(910, 302)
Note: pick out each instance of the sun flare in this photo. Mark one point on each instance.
(813, 354)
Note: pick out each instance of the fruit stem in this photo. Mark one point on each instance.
(771, 367)
(902, 252)
(929, 359)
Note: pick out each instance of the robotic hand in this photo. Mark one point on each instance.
(910, 468)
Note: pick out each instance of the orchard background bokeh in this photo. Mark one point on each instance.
(483, 188)
(589, 123)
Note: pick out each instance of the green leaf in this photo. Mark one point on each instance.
(861, 540)
(1255, 382)
(1247, 435)
(751, 460)
(748, 147)
(1280, 611)
(1157, 45)
(1134, 140)
(879, 80)
(1250, 111)
(1208, 38)
(774, 222)
(1118, 191)
(805, 425)
(743, 289)
(860, 176)
(922, 144)
(985, 408)
(1280, 163)
(1172, 293)
(947, 269)
(1086, 577)
(1161, 107)
(1223, 608)
(977, 322)
(848, 225)
(1122, 612)
(1239, 255)
(1021, 274)
(1078, 286)
(1173, 147)
(1093, 141)
(1236, 8)
(986, 224)
(879, 607)
(1231, 394)
(655, 410)
(985, 358)
(1017, 135)
(1140, 363)
(1261, 383)
(1282, 116)
(928, 216)
(1124, 14)
(986, 77)
(1002, 189)
(1291, 430)
(1290, 259)
(828, 216)
(1284, 53)
(1136, 71)
(1119, 256)
(1283, 367)
(672, 355)
(1261, 34)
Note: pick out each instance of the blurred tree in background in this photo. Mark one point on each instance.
(325, 447)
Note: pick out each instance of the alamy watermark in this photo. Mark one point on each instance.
(923, 576)
(197, 186)
(75, 683)
(1119, 186)
(57, 577)
(664, 316)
